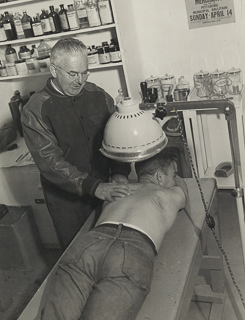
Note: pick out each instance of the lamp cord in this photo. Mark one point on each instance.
(209, 219)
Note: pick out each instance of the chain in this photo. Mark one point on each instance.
(209, 219)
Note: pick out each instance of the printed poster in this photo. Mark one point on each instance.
(205, 13)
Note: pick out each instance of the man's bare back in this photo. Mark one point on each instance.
(150, 208)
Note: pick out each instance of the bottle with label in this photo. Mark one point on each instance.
(93, 56)
(43, 49)
(119, 97)
(24, 52)
(26, 22)
(72, 18)
(18, 26)
(10, 54)
(104, 54)
(37, 27)
(82, 14)
(93, 14)
(34, 52)
(105, 11)
(63, 19)
(9, 27)
(54, 20)
(44, 17)
(3, 36)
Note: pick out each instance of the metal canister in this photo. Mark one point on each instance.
(219, 82)
(203, 84)
(154, 82)
(234, 81)
(168, 84)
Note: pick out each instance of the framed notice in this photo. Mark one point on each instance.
(205, 13)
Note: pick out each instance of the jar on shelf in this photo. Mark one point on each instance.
(43, 49)
(24, 52)
(54, 20)
(93, 14)
(234, 81)
(154, 82)
(26, 22)
(93, 55)
(10, 54)
(219, 82)
(45, 23)
(104, 54)
(32, 65)
(37, 27)
(82, 14)
(11, 69)
(183, 88)
(72, 17)
(34, 52)
(3, 36)
(105, 11)
(18, 26)
(21, 67)
(9, 27)
(168, 84)
(63, 19)
(3, 71)
(203, 84)
(44, 63)
(115, 54)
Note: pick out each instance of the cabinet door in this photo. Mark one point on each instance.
(21, 186)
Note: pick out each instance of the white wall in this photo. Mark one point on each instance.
(157, 40)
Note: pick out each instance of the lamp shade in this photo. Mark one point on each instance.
(132, 134)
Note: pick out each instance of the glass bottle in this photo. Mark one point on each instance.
(119, 97)
(24, 52)
(82, 14)
(93, 14)
(72, 18)
(44, 17)
(8, 25)
(63, 19)
(34, 52)
(37, 27)
(10, 54)
(43, 49)
(3, 36)
(26, 22)
(105, 11)
(18, 26)
(54, 20)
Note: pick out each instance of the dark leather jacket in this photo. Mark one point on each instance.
(64, 135)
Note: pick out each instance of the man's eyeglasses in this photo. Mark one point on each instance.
(74, 74)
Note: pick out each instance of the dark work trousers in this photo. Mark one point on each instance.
(68, 212)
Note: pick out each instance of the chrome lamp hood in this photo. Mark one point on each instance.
(132, 134)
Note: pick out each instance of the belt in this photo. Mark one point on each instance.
(143, 235)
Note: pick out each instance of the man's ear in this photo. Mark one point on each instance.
(53, 71)
(160, 176)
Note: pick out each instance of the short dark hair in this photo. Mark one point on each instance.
(67, 46)
(161, 160)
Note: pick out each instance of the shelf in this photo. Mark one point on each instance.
(91, 68)
(14, 3)
(58, 35)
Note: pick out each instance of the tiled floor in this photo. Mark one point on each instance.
(233, 308)
(22, 285)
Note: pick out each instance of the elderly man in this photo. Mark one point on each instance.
(63, 128)
(107, 272)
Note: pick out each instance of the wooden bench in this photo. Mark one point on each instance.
(187, 248)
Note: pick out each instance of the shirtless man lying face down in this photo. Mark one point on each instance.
(106, 273)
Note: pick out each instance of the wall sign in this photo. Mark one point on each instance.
(205, 13)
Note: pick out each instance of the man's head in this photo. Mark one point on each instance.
(161, 168)
(69, 65)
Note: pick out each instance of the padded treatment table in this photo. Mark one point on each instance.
(187, 248)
